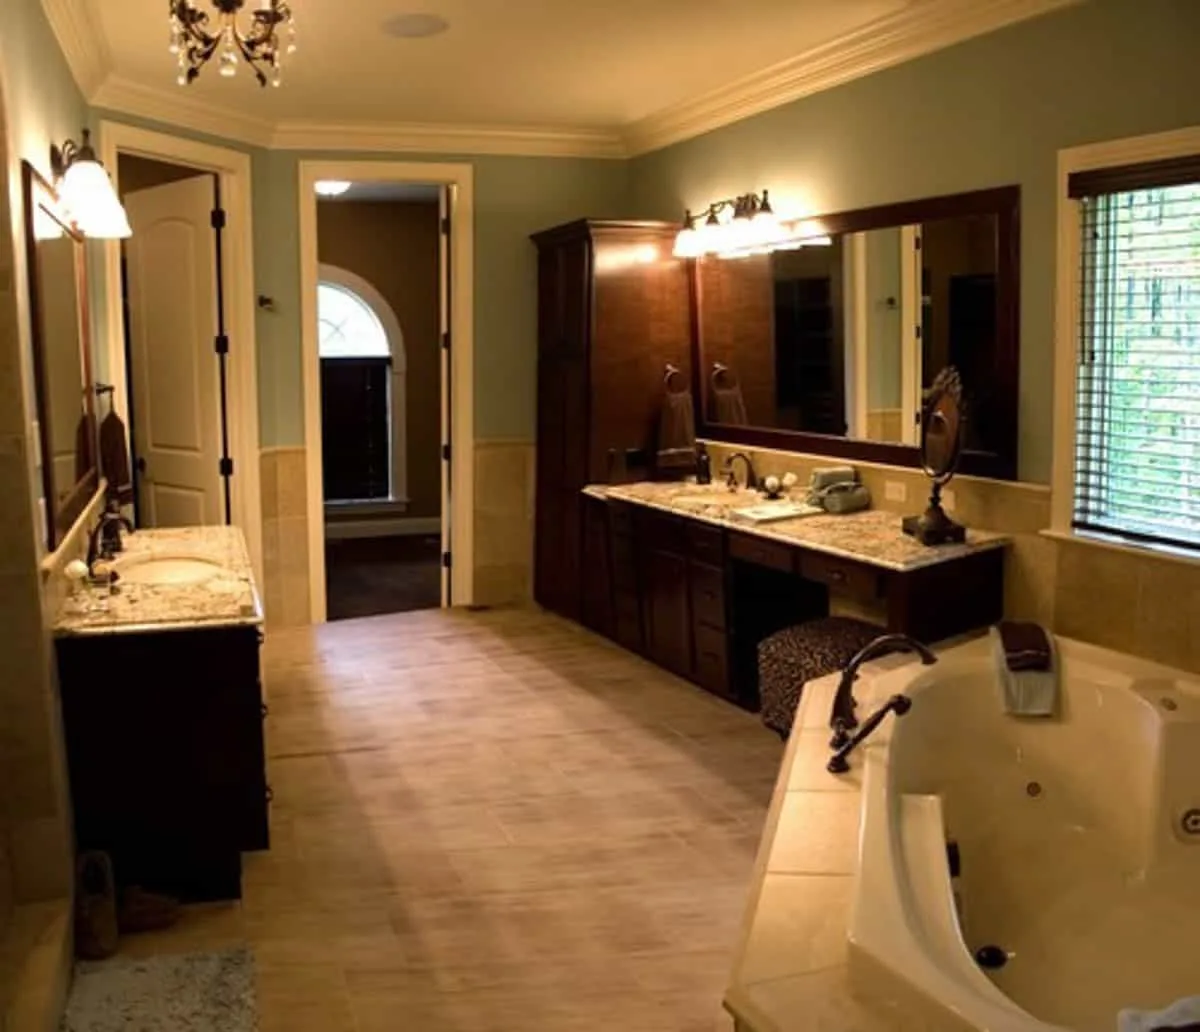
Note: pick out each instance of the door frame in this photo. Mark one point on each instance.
(460, 507)
(232, 169)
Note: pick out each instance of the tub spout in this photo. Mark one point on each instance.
(839, 762)
(842, 719)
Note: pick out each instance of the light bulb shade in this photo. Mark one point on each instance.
(331, 187)
(688, 243)
(89, 198)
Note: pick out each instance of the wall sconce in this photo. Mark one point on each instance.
(745, 225)
(86, 192)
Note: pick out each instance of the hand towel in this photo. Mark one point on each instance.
(726, 402)
(85, 447)
(1027, 692)
(677, 432)
(114, 459)
(1182, 1016)
(1026, 645)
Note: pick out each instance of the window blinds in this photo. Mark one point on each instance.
(1137, 469)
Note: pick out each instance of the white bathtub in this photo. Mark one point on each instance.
(1071, 835)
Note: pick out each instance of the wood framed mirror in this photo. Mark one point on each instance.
(832, 345)
(62, 371)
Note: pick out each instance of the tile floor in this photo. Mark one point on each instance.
(492, 822)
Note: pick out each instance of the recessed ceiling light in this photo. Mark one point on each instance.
(332, 187)
(415, 26)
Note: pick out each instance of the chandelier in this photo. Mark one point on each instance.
(195, 41)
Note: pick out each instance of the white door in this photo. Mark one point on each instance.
(176, 413)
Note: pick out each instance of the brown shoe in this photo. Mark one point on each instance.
(143, 911)
(95, 907)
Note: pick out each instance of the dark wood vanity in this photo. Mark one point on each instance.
(697, 599)
(791, 330)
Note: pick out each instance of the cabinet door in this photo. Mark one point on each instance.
(597, 569)
(668, 615)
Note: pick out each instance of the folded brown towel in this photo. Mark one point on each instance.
(1026, 646)
(114, 458)
(677, 432)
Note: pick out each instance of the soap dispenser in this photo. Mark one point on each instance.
(703, 465)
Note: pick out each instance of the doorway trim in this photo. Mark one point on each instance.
(232, 169)
(461, 181)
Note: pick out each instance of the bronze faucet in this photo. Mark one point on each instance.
(731, 475)
(842, 719)
(105, 539)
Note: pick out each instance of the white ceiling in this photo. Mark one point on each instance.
(530, 76)
(577, 63)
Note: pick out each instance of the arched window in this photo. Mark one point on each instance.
(349, 328)
(363, 391)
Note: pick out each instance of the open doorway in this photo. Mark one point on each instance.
(175, 344)
(379, 338)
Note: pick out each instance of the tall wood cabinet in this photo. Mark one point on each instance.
(613, 311)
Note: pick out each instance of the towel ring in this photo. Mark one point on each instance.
(669, 375)
(721, 369)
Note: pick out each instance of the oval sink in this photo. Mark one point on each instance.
(168, 570)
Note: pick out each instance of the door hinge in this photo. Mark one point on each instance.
(917, 330)
(446, 560)
(446, 340)
(445, 453)
(445, 225)
(222, 343)
(226, 467)
(218, 218)
(916, 243)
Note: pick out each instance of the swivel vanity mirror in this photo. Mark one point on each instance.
(941, 446)
(61, 360)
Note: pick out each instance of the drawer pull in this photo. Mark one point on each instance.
(837, 576)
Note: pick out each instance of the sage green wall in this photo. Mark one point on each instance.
(513, 198)
(989, 111)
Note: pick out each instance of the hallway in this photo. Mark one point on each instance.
(492, 822)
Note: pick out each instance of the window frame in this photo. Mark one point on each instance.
(1113, 154)
(367, 293)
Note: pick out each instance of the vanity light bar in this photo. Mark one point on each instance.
(740, 227)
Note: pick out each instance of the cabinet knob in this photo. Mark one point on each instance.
(265, 710)
(270, 794)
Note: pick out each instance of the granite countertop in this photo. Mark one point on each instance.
(871, 536)
(227, 598)
(793, 970)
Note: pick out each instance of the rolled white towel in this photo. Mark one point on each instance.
(1183, 1014)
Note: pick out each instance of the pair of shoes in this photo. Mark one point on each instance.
(96, 930)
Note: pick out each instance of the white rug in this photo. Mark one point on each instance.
(199, 992)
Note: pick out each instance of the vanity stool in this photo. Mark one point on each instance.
(790, 658)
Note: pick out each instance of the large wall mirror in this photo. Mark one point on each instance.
(830, 347)
(61, 357)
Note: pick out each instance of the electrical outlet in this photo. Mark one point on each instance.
(948, 499)
(895, 491)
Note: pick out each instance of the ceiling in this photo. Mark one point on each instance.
(615, 75)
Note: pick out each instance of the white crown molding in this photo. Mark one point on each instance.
(81, 40)
(419, 138)
(919, 29)
(173, 107)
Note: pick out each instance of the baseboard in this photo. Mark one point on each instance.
(344, 530)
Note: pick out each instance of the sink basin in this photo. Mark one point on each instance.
(168, 570)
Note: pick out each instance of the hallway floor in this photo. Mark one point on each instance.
(492, 822)
(377, 576)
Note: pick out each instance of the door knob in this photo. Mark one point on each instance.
(140, 463)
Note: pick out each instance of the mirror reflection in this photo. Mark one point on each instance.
(844, 335)
(62, 374)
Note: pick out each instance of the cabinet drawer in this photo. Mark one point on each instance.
(660, 533)
(761, 552)
(705, 544)
(708, 595)
(856, 579)
(711, 668)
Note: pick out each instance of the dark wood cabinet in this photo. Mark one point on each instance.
(164, 737)
(613, 310)
(698, 599)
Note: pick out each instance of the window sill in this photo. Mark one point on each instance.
(1144, 551)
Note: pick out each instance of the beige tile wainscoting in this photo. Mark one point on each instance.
(284, 478)
(1131, 600)
(504, 511)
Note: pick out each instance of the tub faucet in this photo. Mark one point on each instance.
(839, 762)
(842, 719)
(731, 474)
